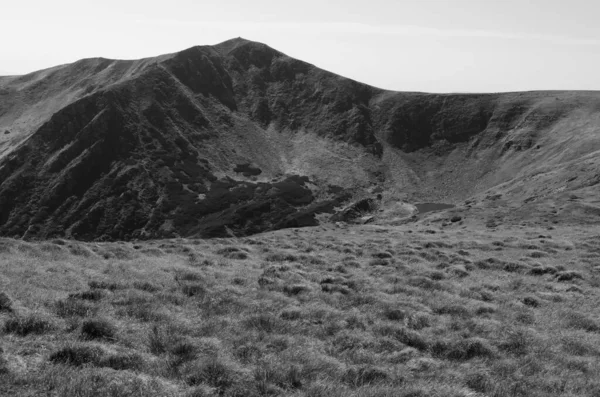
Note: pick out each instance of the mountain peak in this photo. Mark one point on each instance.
(227, 46)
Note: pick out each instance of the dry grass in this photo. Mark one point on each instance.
(375, 312)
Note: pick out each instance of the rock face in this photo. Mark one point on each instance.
(240, 138)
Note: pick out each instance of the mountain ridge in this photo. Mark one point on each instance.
(149, 148)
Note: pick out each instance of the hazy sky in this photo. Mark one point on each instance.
(409, 45)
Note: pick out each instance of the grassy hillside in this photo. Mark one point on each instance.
(348, 311)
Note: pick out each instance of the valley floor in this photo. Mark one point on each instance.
(369, 311)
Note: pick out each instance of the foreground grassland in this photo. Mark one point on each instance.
(365, 311)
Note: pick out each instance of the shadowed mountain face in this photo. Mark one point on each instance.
(240, 138)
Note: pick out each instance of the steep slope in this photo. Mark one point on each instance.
(240, 138)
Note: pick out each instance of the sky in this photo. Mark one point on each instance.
(403, 45)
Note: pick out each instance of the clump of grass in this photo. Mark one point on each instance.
(484, 310)
(107, 285)
(184, 351)
(101, 382)
(145, 312)
(29, 324)
(233, 253)
(419, 320)
(269, 378)
(578, 347)
(5, 303)
(394, 314)
(465, 349)
(214, 373)
(264, 322)
(248, 353)
(188, 276)
(458, 271)
(77, 355)
(408, 337)
(98, 329)
(436, 275)
(456, 310)
(122, 361)
(296, 289)
(425, 283)
(537, 254)
(569, 276)
(517, 342)
(158, 341)
(91, 295)
(379, 262)
(291, 314)
(146, 286)
(382, 255)
(281, 257)
(531, 301)
(365, 375)
(479, 381)
(332, 288)
(580, 321)
(515, 267)
(193, 290)
(74, 308)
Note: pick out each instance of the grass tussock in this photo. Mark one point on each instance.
(98, 328)
(31, 324)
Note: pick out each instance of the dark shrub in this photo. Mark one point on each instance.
(31, 324)
(77, 355)
(98, 329)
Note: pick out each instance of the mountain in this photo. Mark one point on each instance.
(239, 138)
